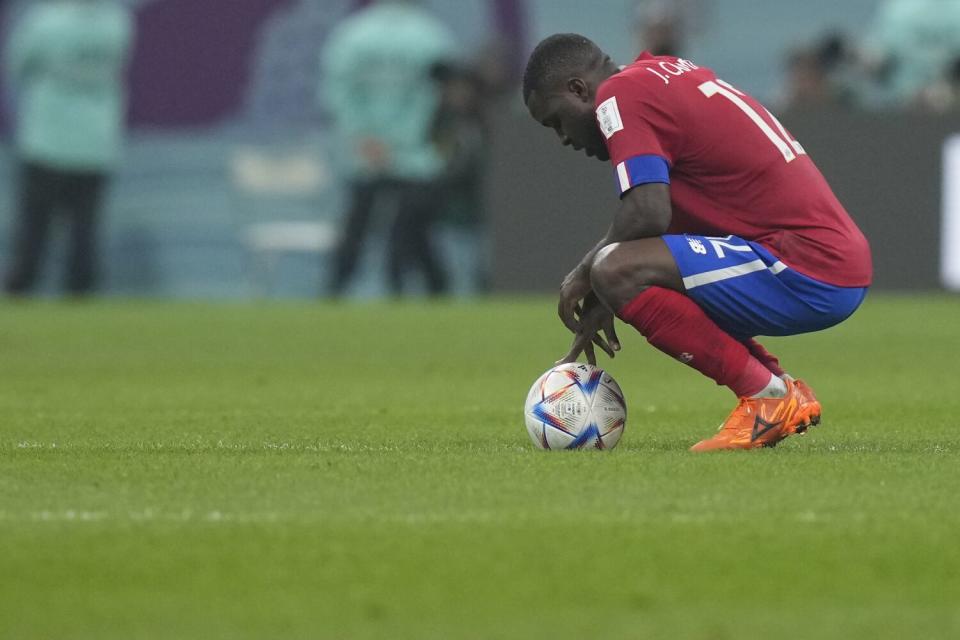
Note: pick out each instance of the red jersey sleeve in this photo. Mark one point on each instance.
(640, 136)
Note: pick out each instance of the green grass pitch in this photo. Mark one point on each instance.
(362, 471)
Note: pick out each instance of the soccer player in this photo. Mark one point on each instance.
(725, 229)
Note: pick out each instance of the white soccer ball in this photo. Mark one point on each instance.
(575, 406)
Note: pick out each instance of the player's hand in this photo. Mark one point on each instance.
(374, 153)
(594, 317)
(575, 287)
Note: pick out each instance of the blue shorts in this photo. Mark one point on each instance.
(748, 292)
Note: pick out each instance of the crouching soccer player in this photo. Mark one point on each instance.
(725, 230)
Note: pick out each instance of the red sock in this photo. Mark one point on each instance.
(676, 325)
(766, 358)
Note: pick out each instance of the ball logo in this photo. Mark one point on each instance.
(570, 409)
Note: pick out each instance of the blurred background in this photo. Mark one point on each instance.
(326, 148)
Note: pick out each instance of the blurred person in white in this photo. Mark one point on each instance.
(378, 89)
(66, 61)
(911, 47)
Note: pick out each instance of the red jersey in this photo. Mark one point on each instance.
(732, 167)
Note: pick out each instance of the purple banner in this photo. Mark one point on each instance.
(193, 59)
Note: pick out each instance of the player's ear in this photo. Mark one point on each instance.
(580, 88)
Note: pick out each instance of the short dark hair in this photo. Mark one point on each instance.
(556, 56)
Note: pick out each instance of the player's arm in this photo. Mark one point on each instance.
(644, 212)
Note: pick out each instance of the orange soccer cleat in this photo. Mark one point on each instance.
(809, 406)
(763, 422)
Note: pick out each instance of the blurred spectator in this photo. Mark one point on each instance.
(944, 95)
(817, 75)
(492, 68)
(911, 47)
(661, 26)
(459, 133)
(66, 60)
(378, 88)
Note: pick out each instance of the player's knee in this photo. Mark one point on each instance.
(599, 268)
(617, 275)
(605, 271)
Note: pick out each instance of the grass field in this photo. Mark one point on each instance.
(362, 471)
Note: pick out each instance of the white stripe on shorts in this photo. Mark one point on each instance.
(708, 277)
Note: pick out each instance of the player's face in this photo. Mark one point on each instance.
(571, 115)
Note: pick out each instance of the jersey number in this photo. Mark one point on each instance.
(787, 146)
(719, 245)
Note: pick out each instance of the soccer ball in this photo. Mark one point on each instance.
(575, 406)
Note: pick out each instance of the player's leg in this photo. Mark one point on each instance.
(619, 276)
(766, 358)
(399, 251)
(363, 196)
(659, 268)
(412, 243)
(85, 194)
(37, 199)
(424, 216)
(644, 283)
(641, 282)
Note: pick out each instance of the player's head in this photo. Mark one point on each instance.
(560, 87)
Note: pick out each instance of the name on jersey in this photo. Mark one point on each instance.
(668, 69)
